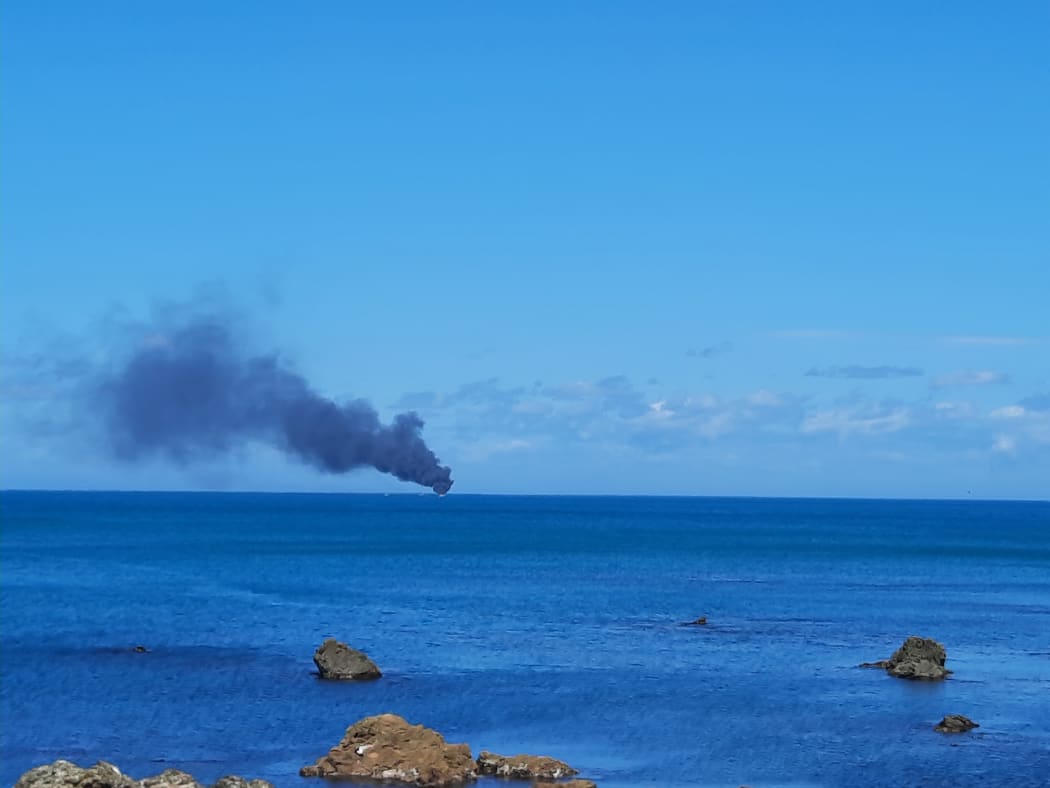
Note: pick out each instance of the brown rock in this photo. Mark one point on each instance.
(698, 623)
(389, 749)
(337, 660)
(565, 784)
(524, 767)
(918, 658)
(955, 723)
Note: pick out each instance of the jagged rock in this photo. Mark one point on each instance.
(171, 778)
(387, 748)
(918, 658)
(65, 774)
(955, 723)
(233, 781)
(524, 767)
(337, 660)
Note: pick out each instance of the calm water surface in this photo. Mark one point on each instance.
(533, 624)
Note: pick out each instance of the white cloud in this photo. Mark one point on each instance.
(764, 398)
(982, 377)
(989, 341)
(1004, 444)
(955, 410)
(857, 421)
(484, 449)
(659, 410)
(1009, 412)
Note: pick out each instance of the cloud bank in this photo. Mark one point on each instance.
(856, 372)
(984, 377)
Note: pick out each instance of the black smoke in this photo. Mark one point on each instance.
(192, 392)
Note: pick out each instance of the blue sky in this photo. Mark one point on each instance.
(685, 248)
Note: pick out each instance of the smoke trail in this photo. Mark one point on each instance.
(194, 393)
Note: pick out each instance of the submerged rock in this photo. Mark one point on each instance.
(697, 623)
(337, 660)
(566, 784)
(387, 748)
(65, 774)
(955, 723)
(882, 663)
(524, 767)
(918, 658)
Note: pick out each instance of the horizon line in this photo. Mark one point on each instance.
(427, 493)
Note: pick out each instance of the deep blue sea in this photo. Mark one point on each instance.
(548, 625)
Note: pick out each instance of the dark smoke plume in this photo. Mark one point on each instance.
(194, 393)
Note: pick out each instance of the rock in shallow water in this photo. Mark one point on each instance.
(918, 658)
(524, 767)
(387, 748)
(955, 723)
(338, 661)
(65, 774)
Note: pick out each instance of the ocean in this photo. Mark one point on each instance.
(546, 625)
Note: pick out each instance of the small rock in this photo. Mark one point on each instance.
(918, 658)
(387, 748)
(524, 767)
(955, 723)
(337, 660)
(698, 623)
(171, 778)
(140, 650)
(565, 784)
(233, 781)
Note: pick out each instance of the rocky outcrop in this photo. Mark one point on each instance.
(171, 778)
(918, 658)
(65, 774)
(702, 621)
(955, 723)
(389, 749)
(337, 660)
(524, 767)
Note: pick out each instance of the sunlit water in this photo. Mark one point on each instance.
(532, 624)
